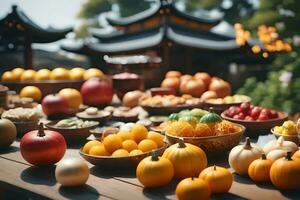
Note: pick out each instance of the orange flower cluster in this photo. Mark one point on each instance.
(242, 36)
(270, 39)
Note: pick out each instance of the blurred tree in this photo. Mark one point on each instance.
(281, 89)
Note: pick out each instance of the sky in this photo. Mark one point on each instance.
(55, 13)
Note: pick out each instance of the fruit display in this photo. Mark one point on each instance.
(241, 156)
(31, 92)
(59, 73)
(91, 89)
(138, 138)
(248, 112)
(154, 171)
(218, 178)
(196, 85)
(188, 160)
(259, 169)
(198, 123)
(8, 133)
(42, 147)
(288, 130)
(193, 188)
(72, 172)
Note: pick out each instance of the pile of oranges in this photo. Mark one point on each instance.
(125, 143)
(59, 73)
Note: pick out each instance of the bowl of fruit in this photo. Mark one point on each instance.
(218, 105)
(124, 149)
(288, 130)
(208, 131)
(255, 118)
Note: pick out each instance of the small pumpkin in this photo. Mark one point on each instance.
(241, 156)
(285, 173)
(296, 155)
(280, 143)
(276, 154)
(193, 188)
(188, 160)
(154, 171)
(259, 170)
(219, 179)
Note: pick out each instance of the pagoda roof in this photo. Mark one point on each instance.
(16, 23)
(154, 37)
(163, 5)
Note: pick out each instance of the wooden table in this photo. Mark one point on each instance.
(19, 178)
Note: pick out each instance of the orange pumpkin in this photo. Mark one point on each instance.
(42, 74)
(296, 155)
(188, 160)
(147, 145)
(192, 189)
(285, 173)
(8, 76)
(205, 77)
(176, 74)
(259, 170)
(28, 75)
(77, 73)
(31, 92)
(92, 73)
(18, 72)
(154, 171)
(194, 87)
(219, 179)
(60, 74)
(221, 87)
(171, 82)
(72, 96)
(112, 142)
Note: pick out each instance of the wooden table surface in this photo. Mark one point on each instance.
(18, 176)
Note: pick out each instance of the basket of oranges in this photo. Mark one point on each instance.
(124, 149)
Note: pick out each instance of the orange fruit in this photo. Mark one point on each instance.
(156, 137)
(18, 72)
(120, 153)
(98, 150)
(139, 132)
(125, 135)
(129, 145)
(60, 74)
(180, 128)
(135, 152)
(86, 148)
(28, 75)
(72, 96)
(147, 145)
(112, 142)
(32, 92)
(77, 73)
(92, 72)
(8, 76)
(202, 130)
(42, 74)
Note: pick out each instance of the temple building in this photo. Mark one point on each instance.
(18, 32)
(183, 42)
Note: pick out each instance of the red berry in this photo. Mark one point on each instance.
(263, 117)
(241, 115)
(254, 113)
(265, 111)
(249, 118)
(245, 107)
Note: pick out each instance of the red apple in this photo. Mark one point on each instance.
(245, 107)
(97, 92)
(54, 105)
(249, 118)
(273, 114)
(262, 116)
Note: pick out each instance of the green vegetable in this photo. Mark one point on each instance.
(173, 117)
(197, 112)
(210, 118)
